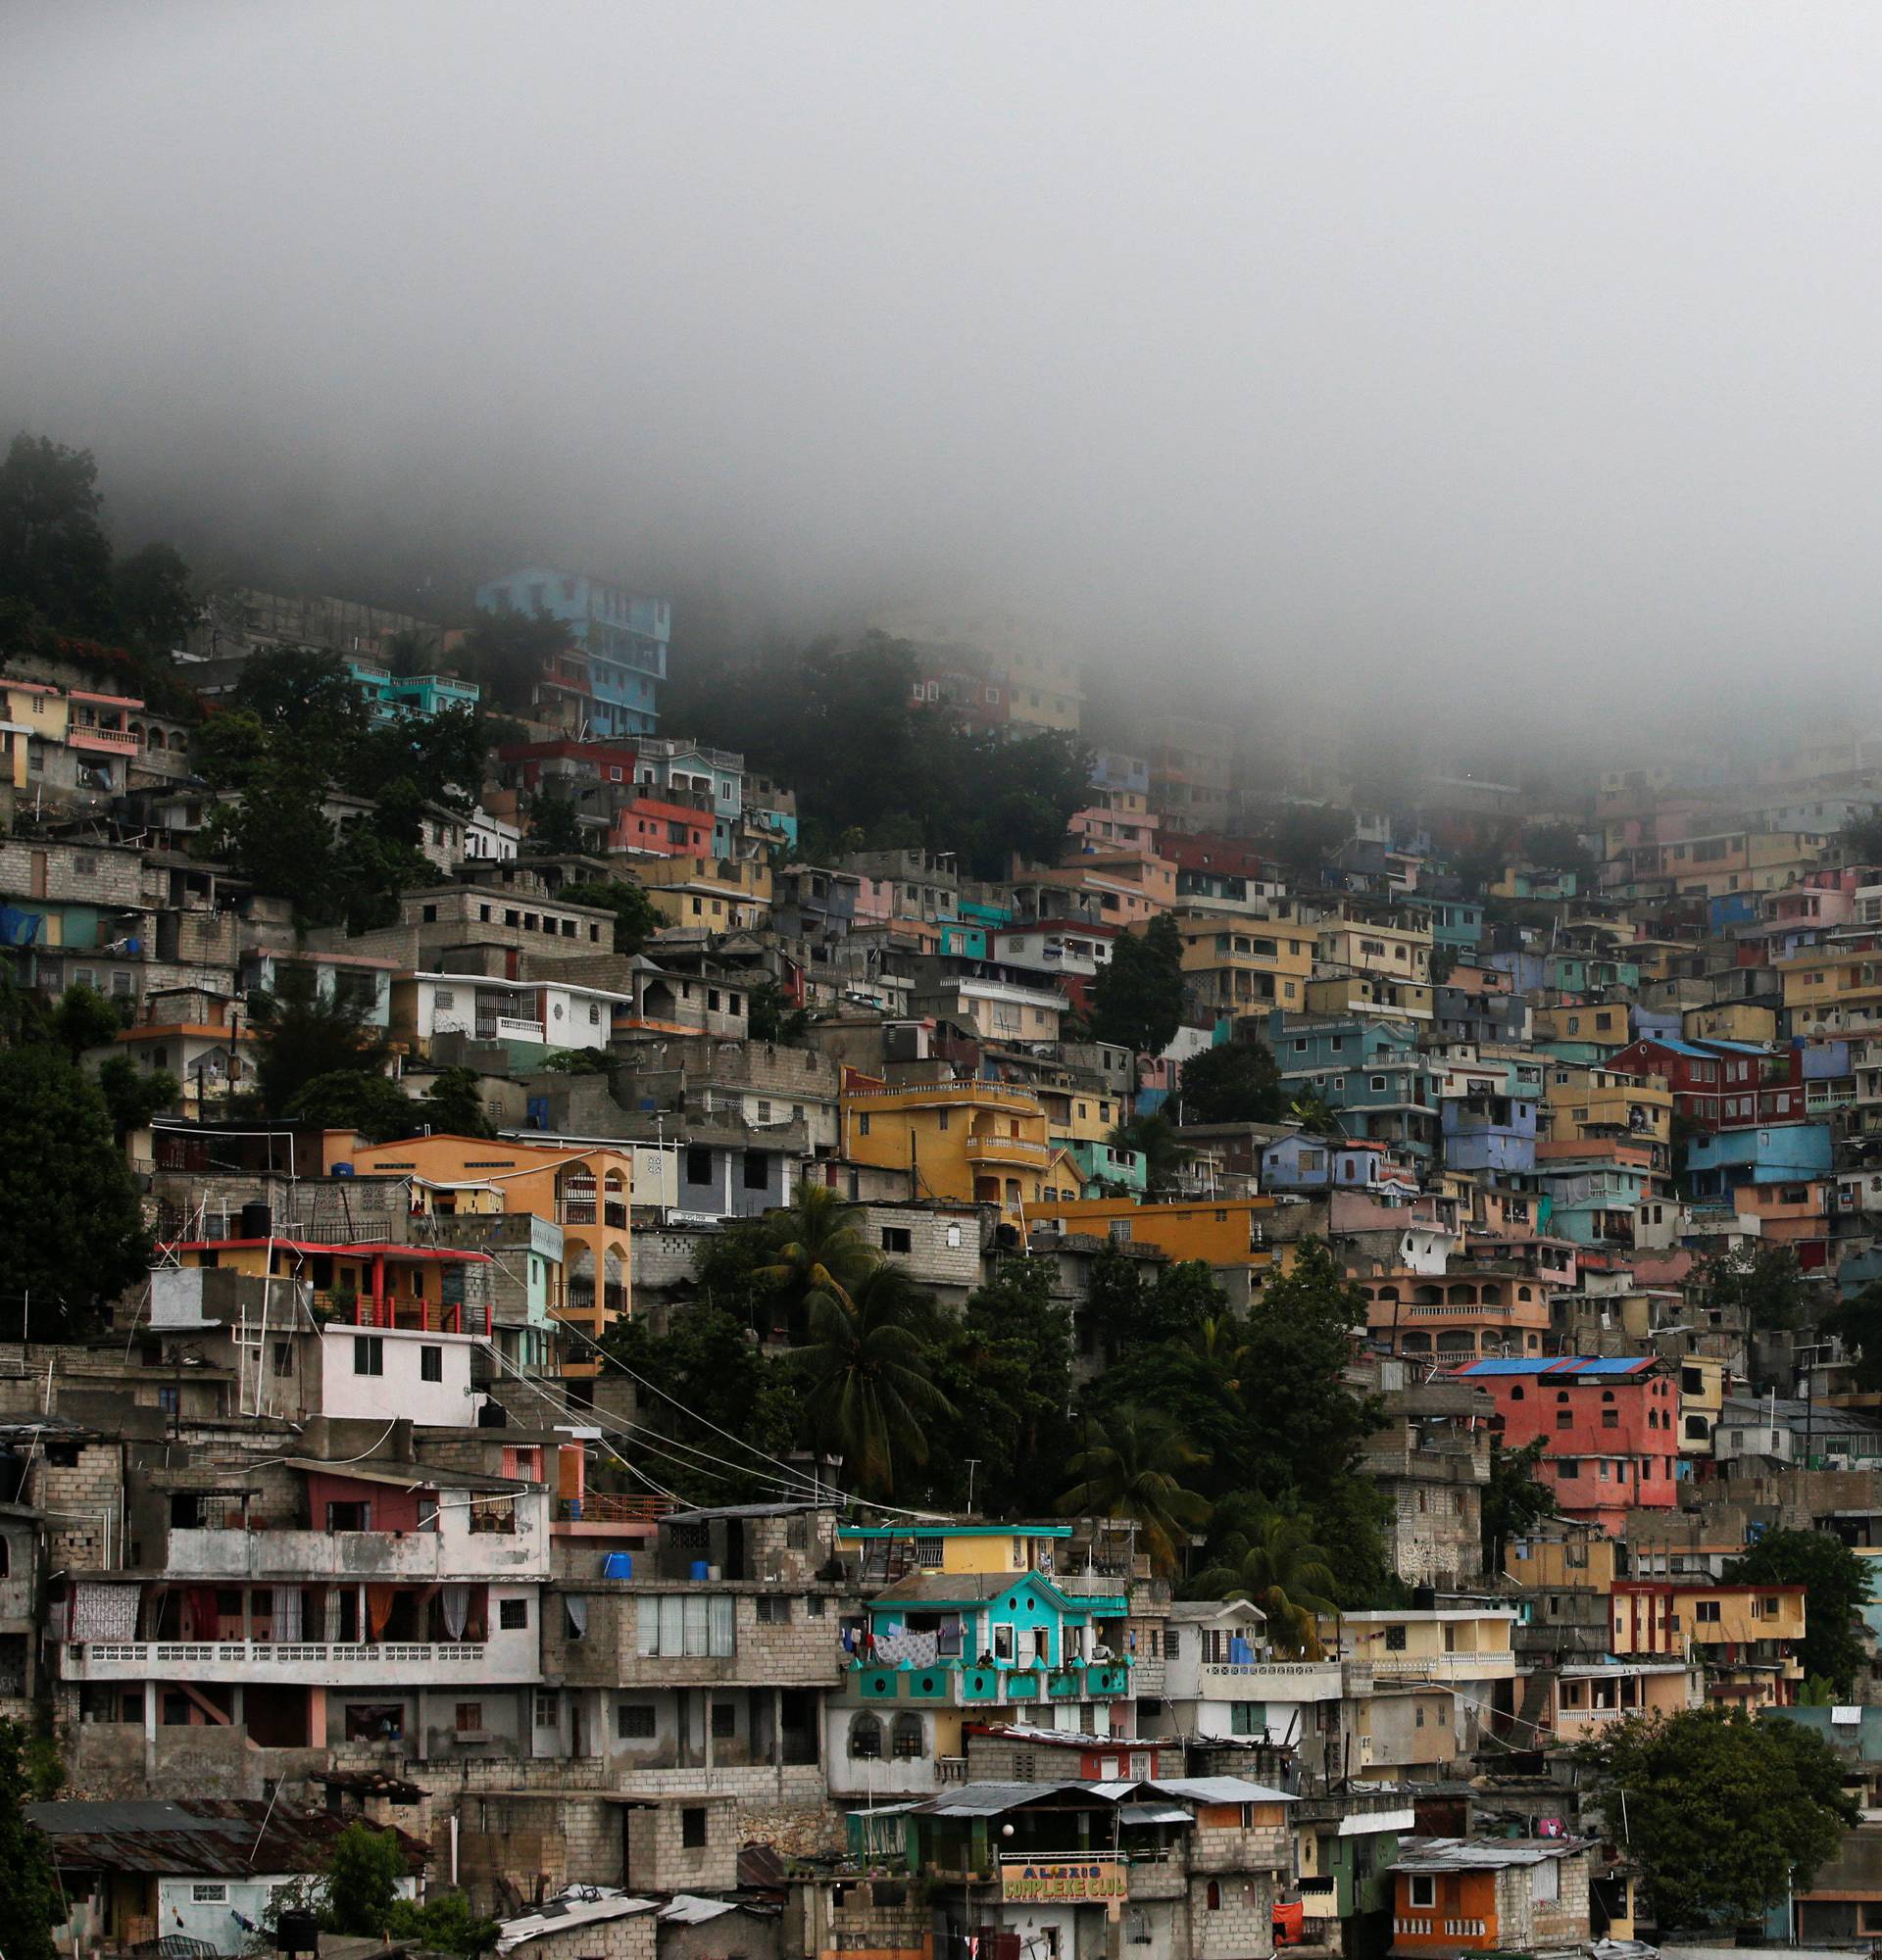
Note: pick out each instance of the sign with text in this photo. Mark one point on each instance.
(1038, 1880)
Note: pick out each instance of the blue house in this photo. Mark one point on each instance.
(1489, 1132)
(1304, 1162)
(624, 637)
(1778, 1154)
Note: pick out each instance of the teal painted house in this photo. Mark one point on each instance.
(395, 696)
(990, 1639)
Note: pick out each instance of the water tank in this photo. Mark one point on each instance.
(1424, 1598)
(702, 1572)
(618, 1565)
(258, 1221)
(298, 1933)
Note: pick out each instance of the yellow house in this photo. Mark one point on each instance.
(1345, 995)
(1045, 691)
(1430, 1644)
(587, 1192)
(1236, 963)
(1586, 1024)
(1395, 951)
(713, 895)
(1582, 1101)
(33, 712)
(1829, 991)
(1578, 1562)
(985, 1143)
(1701, 1403)
(1730, 1020)
(1225, 1231)
(888, 1551)
(1080, 1116)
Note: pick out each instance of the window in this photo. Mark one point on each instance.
(1395, 1640)
(469, 1719)
(699, 1164)
(170, 1400)
(634, 1720)
(1248, 1718)
(547, 1711)
(677, 1625)
(906, 1739)
(205, 1894)
(1706, 1613)
(368, 1354)
(513, 1615)
(897, 1239)
(283, 1357)
(1424, 1889)
(725, 1721)
(430, 1364)
(1610, 1418)
(774, 1609)
(692, 1827)
(1565, 1418)
(756, 1169)
(865, 1739)
(1172, 1644)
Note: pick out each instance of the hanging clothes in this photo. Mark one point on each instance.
(379, 1601)
(287, 1614)
(457, 1608)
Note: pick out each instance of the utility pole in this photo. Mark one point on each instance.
(972, 1464)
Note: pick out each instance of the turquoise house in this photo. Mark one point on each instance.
(397, 696)
(965, 1638)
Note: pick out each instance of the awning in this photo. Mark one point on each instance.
(1153, 1813)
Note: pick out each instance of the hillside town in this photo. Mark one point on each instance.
(1240, 1360)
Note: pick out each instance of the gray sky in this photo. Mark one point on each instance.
(1529, 352)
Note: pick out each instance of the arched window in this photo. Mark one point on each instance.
(906, 1740)
(865, 1739)
(1428, 1296)
(1562, 1394)
(1463, 1296)
(1515, 1394)
(1417, 1341)
(1525, 1292)
(1606, 1395)
(1386, 1292)
(1491, 1295)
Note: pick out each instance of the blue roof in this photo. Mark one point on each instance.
(1562, 1364)
(1703, 1051)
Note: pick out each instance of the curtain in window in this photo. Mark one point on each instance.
(695, 1625)
(288, 1612)
(456, 1601)
(722, 1640)
(378, 1607)
(576, 1605)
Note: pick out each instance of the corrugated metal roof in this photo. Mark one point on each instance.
(583, 1907)
(190, 1836)
(1481, 1854)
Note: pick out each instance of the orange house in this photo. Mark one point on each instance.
(1489, 1895)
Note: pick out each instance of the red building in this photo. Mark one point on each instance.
(1608, 1428)
(1721, 1085)
(526, 764)
(650, 827)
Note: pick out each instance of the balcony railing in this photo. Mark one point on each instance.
(90, 735)
(507, 1027)
(961, 1684)
(333, 1664)
(613, 1507)
(1006, 1149)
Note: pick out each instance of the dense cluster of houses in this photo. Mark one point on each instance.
(334, 1522)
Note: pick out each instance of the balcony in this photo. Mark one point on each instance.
(993, 1149)
(612, 1507)
(93, 735)
(511, 1658)
(507, 1027)
(1493, 1664)
(956, 1684)
(1272, 1679)
(386, 1556)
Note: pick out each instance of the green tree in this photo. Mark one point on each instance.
(1278, 1567)
(304, 1036)
(505, 652)
(772, 1018)
(444, 1924)
(1558, 847)
(1858, 1323)
(1005, 1369)
(817, 1251)
(635, 918)
(1137, 1000)
(134, 1094)
(1154, 1138)
(54, 555)
(1234, 1082)
(151, 599)
(1724, 1814)
(1861, 838)
(452, 1104)
(372, 1106)
(1764, 1286)
(363, 1871)
(72, 1229)
(1836, 1587)
(1313, 1111)
(83, 1019)
(1133, 1466)
(867, 1389)
(30, 1897)
(1514, 1499)
(554, 826)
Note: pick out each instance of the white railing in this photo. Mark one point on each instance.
(285, 1653)
(507, 1027)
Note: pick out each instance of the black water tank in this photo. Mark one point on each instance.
(297, 1931)
(1424, 1598)
(258, 1221)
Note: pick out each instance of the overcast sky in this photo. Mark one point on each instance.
(1532, 353)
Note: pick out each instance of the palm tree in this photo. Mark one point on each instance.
(1153, 1138)
(1315, 1113)
(1132, 1467)
(866, 1364)
(1282, 1571)
(1222, 1342)
(817, 1252)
